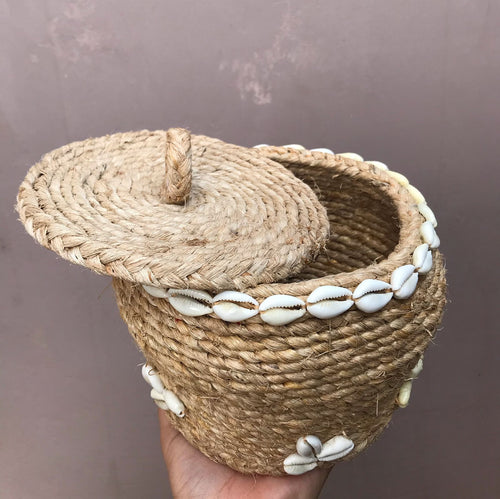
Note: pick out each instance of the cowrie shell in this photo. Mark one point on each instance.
(422, 258)
(351, 155)
(419, 366)
(191, 302)
(279, 310)
(416, 194)
(400, 179)
(324, 302)
(404, 281)
(156, 292)
(400, 276)
(152, 378)
(335, 448)
(371, 295)
(323, 149)
(295, 146)
(403, 397)
(309, 445)
(168, 401)
(429, 235)
(228, 305)
(427, 213)
(378, 164)
(296, 464)
(158, 399)
(408, 288)
(173, 403)
(261, 145)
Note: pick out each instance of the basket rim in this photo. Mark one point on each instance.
(409, 218)
(368, 288)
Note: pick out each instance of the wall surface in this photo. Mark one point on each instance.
(414, 84)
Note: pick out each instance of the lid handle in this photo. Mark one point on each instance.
(177, 182)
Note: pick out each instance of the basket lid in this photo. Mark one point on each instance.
(173, 209)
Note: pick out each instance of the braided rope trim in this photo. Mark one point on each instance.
(327, 301)
(248, 220)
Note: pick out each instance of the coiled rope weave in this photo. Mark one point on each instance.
(251, 389)
(106, 203)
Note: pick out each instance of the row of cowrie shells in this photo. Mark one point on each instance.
(163, 398)
(325, 302)
(310, 452)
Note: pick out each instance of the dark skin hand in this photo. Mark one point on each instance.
(193, 475)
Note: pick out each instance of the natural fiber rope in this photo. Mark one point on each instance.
(250, 389)
(371, 217)
(313, 377)
(98, 203)
(177, 183)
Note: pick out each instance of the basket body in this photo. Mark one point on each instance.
(251, 389)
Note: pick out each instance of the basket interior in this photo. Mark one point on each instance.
(364, 224)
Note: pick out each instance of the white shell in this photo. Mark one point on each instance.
(161, 404)
(429, 235)
(168, 400)
(404, 281)
(323, 302)
(437, 242)
(297, 465)
(310, 451)
(225, 305)
(351, 155)
(159, 400)
(191, 302)
(323, 149)
(231, 312)
(156, 395)
(173, 403)
(401, 275)
(404, 394)
(419, 366)
(368, 299)
(422, 258)
(309, 445)
(416, 194)
(336, 448)
(373, 302)
(261, 145)
(427, 213)
(400, 179)
(408, 288)
(378, 164)
(295, 146)
(370, 286)
(152, 378)
(279, 310)
(156, 292)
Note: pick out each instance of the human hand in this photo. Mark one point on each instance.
(193, 475)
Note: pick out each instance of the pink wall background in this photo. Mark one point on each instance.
(414, 84)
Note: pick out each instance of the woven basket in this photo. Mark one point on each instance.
(298, 331)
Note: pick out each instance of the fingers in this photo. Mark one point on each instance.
(190, 470)
(167, 431)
